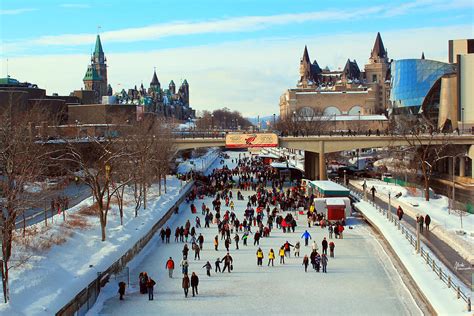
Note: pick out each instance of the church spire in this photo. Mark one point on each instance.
(422, 55)
(379, 50)
(98, 46)
(154, 81)
(306, 55)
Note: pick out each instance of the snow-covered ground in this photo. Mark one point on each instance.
(442, 298)
(360, 281)
(199, 164)
(437, 207)
(70, 253)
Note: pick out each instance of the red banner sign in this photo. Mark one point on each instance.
(251, 140)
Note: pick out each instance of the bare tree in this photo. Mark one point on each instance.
(95, 163)
(23, 160)
(425, 145)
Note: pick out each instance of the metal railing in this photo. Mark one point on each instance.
(430, 259)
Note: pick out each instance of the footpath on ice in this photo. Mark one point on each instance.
(55, 274)
(442, 298)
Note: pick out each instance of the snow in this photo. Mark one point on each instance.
(360, 279)
(198, 164)
(442, 298)
(52, 277)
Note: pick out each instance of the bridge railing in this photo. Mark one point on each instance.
(430, 259)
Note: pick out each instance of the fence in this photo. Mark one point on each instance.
(414, 241)
(86, 298)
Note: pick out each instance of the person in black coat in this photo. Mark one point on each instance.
(325, 245)
(121, 290)
(427, 222)
(194, 283)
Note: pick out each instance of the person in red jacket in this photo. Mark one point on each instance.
(340, 230)
(170, 267)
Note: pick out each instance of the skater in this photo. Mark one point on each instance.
(282, 255)
(208, 267)
(121, 290)
(324, 244)
(162, 235)
(149, 285)
(314, 246)
(373, 190)
(317, 260)
(227, 263)
(236, 238)
(197, 252)
(259, 257)
(305, 263)
(287, 248)
(306, 237)
(297, 249)
(256, 237)
(216, 242)
(185, 285)
(427, 222)
(194, 283)
(324, 262)
(218, 265)
(330, 230)
(168, 234)
(184, 266)
(245, 237)
(271, 257)
(331, 249)
(170, 267)
(142, 280)
(200, 240)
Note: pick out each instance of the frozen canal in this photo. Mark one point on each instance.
(360, 279)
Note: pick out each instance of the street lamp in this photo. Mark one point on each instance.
(212, 121)
(273, 121)
(462, 120)
(358, 127)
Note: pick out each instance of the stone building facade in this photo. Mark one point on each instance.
(344, 92)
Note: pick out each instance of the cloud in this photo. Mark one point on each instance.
(16, 11)
(75, 5)
(248, 76)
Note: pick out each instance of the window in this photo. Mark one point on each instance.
(374, 78)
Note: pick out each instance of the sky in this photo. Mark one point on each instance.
(240, 54)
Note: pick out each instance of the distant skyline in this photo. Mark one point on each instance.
(239, 54)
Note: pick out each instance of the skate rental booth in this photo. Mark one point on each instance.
(334, 209)
(331, 199)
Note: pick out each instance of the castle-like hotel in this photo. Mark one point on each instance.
(342, 93)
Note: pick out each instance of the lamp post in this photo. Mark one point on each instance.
(358, 125)
(274, 121)
(212, 121)
(462, 120)
(389, 213)
(345, 176)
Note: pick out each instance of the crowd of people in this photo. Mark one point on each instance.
(270, 207)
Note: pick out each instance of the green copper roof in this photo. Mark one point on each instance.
(9, 81)
(98, 46)
(185, 82)
(171, 83)
(91, 74)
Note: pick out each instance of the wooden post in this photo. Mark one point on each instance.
(449, 281)
(24, 225)
(458, 292)
(45, 217)
(427, 258)
(440, 273)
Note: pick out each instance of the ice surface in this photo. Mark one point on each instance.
(360, 281)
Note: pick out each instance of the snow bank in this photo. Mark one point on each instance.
(442, 298)
(198, 164)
